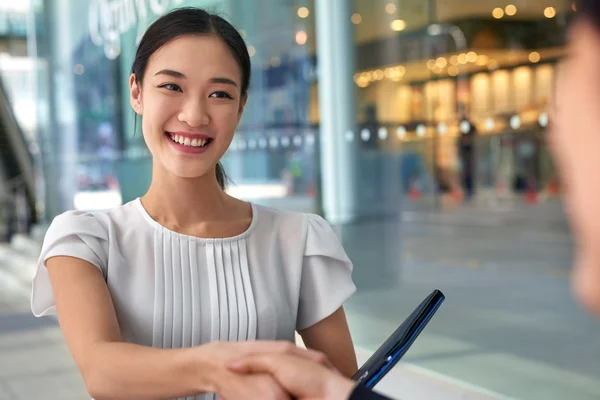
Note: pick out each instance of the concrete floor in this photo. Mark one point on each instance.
(509, 323)
(509, 327)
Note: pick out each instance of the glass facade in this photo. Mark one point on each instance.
(424, 75)
(415, 126)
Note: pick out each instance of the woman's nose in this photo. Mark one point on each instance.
(194, 114)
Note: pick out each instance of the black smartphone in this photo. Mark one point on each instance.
(394, 348)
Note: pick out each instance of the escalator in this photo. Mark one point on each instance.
(17, 174)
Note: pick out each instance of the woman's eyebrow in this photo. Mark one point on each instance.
(170, 72)
(226, 81)
(179, 75)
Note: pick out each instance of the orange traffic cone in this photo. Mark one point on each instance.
(552, 187)
(531, 197)
(414, 193)
(500, 190)
(456, 194)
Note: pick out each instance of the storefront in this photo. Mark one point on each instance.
(423, 77)
(88, 134)
(371, 109)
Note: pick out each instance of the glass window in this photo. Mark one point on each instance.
(416, 127)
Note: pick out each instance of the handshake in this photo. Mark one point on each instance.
(284, 371)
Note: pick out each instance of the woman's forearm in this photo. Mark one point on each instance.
(116, 370)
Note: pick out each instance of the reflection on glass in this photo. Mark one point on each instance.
(453, 180)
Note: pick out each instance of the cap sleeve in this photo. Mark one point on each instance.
(75, 234)
(326, 281)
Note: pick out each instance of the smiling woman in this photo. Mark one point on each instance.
(175, 98)
(173, 278)
(188, 51)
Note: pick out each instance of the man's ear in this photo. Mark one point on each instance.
(242, 105)
(135, 95)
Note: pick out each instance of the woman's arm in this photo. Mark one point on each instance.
(116, 370)
(331, 336)
(110, 368)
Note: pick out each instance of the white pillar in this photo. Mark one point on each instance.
(336, 65)
(65, 131)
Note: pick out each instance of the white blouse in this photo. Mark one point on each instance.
(286, 272)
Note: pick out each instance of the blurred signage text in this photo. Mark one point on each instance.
(108, 20)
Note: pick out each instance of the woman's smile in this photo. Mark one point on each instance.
(189, 142)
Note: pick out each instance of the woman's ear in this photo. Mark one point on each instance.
(242, 105)
(135, 95)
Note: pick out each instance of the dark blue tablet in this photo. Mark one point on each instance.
(394, 348)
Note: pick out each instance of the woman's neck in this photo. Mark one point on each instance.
(186, 202)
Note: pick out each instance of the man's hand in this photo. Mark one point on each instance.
(300, 377)
(229, 351)
(252, 387)
(232, 386)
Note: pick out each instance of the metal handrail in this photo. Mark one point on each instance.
(14, 182)
(23, 185)
(14, 209)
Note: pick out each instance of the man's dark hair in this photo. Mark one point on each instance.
(589, 9)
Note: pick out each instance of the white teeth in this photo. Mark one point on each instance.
(187, 141)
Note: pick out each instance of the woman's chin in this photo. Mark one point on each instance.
(190, 171)
(204, 174)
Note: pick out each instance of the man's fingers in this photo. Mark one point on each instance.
(315, 356)
(284, 347)
(252, 364)
(266, 346)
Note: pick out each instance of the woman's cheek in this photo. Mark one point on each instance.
(164, 107)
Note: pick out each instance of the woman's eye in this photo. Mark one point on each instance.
(221, 95)
(171, 86)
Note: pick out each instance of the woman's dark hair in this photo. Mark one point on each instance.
(192, 21)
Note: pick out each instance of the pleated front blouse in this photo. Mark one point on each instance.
(286, 272)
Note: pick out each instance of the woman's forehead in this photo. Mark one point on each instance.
(196, 56)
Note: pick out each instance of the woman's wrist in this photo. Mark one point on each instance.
(208, 369)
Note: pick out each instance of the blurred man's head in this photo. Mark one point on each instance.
(575, 143)
(589, 9)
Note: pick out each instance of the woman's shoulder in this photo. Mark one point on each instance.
(280, 218)
(304, 225)
(98, 223)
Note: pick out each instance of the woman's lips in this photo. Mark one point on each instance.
(189, 143)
